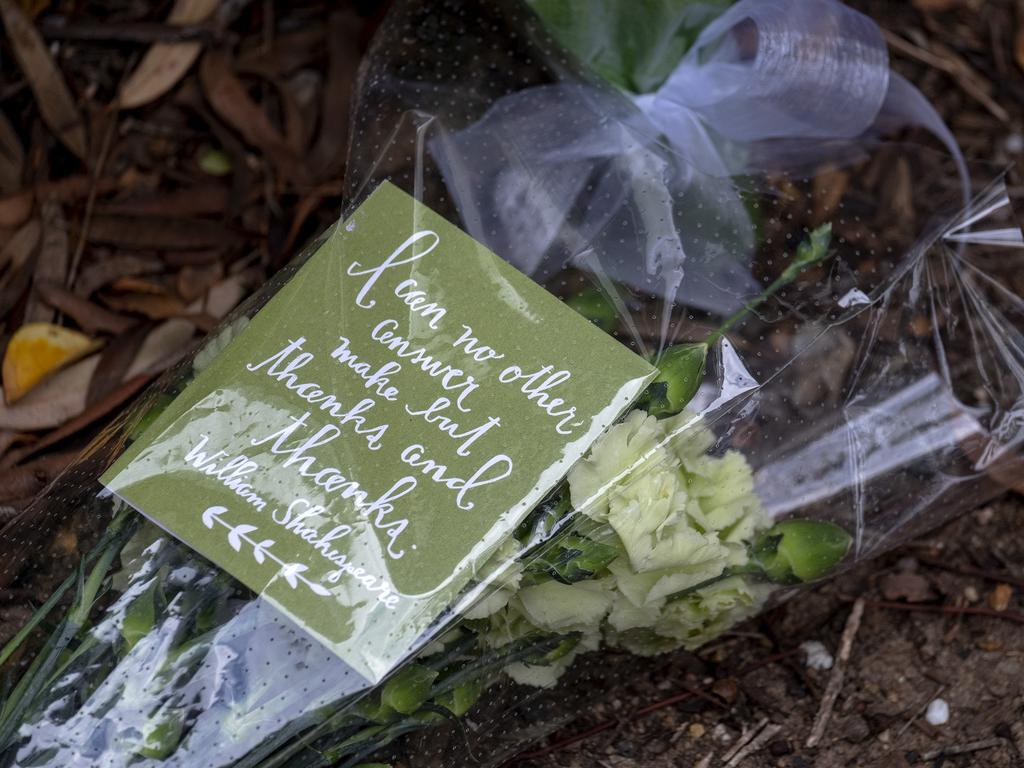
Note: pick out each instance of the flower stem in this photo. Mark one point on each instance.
(809, 253)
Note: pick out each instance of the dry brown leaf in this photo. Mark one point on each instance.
(61, 400)
(36, 351)
(155, 306)
(1018, 45)
(327, 155)
(28, 480)
(90, 317)
(936, 6)
(197, 200)
(16, 207)
(53, 98)
(193, 282)
(288, 53)
(193, 258)
(19, 247)
(12, 158)
(132, 284)
(165, 345)
(106, 271)
(230, 100)
(224, 297)
(92, 413)
(160, 234)
(829, 187)
(115, 360)
(16, 259)
(52, 264)
(166, 63)
(53, 402)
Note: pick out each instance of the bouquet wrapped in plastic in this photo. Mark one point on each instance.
(715, 191)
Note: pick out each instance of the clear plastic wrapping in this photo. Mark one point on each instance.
(841, 368)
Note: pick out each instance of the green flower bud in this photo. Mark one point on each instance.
(680, 372)
(795, 551)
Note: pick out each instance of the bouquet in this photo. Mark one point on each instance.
(793, 391)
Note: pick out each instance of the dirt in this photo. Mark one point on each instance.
(900, 661)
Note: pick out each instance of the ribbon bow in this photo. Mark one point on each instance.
(581, 174)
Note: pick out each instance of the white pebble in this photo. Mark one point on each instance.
(817, 654)
(938, 712)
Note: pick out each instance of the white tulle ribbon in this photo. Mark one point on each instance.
(639, 189)
(794, 76)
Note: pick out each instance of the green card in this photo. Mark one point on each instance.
(379, 428)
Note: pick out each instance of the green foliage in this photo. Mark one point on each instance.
(595, 305)
(573, 558)
(408, 688)
(140, 615)
(462, 697)
(795, 551)
(634, 45)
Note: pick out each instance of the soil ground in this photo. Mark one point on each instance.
(900, 661)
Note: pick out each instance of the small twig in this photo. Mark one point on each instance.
(835, 681)
(90, 202)
(921, 710)
(745, 738)
(705, 761)
(1017, 618)
(129, 32)
(755, 744)
(963, 749)
(607, 725)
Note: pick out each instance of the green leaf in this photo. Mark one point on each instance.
(545, 518)
(795, 551)
(162, 737)
(634, 45)
(213, 161)
(812, 250)
(140, 616)
(595, 305)
(460, 699)
(574, 558)
(408, 689)
(680, 373)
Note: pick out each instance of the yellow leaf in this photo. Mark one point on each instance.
(165, 63)
(37, 351)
